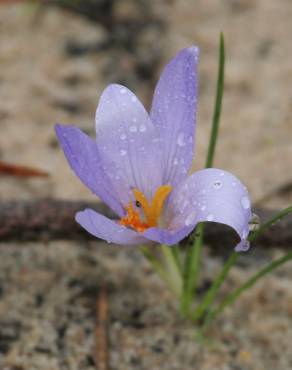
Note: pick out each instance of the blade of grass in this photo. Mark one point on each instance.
(211, 294)
(191, 271)
(193, 258)
(232, 297)
(218, 105)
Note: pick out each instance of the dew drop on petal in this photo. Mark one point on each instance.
(245, 202)
(184, 205)
(203, 207)
(123, 152)
(123, 137)
(123, 90)
(142, 128)
(222, 174)
(134, 99)
(210, 217)
(133, 128)
(217, 184)
(181, 139)
(243, 246)
(175, 161)
(190, 219)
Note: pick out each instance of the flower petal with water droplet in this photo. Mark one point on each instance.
(174, 112)
(119, 116)
(221, 204)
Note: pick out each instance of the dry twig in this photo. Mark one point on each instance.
(101, 331)
(20, 171)
(53, 219)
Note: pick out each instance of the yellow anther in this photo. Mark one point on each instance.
(140, 197)
(152, 212)
(159, 199)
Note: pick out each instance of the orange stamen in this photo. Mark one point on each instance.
(152, 212)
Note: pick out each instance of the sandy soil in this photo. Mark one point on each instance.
(47, 292)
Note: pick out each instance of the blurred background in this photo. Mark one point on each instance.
(56, 57)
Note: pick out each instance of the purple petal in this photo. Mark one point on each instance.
(174, 113)
(127, 138)
(211, 195)
(109, 230)
(82, 155)
(168, 237)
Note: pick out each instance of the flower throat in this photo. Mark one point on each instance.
(152, 211)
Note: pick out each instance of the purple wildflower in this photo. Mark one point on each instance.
(138, 165)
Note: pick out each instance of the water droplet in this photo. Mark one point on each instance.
(133, 128)
(254, 222)
(123, 137)
(222, 174)
(210, 217)
(134, 99)
(123, 152)
(181, 139)
(190, 219)
(142, 128)
(243, 246)
(217, 184)
(245, 202)
(184, 205)
(203, 207)
(123, 90)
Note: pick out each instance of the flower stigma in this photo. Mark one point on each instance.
(151, 211)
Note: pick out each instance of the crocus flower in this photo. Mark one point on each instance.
(138, 165)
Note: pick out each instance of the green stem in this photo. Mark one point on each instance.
(211, 294)
(165, 275)
(232, 297)
(191, 271)
(177, 256)
(172, 268)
